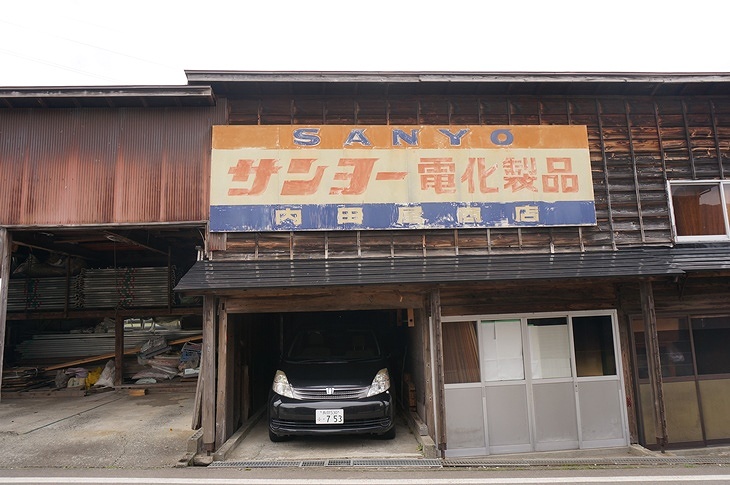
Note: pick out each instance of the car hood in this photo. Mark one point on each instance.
(332, 374)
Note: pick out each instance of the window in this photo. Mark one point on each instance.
(502, 360)
(461, 354)
(711, 337)
(700, 210)
(549, 347)
(675, 349)
(593, 343)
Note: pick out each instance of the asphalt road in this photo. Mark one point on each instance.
(324, 476)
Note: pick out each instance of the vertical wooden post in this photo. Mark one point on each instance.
(5, 249)
(208, 373)
(224, 406)
(625, 335)
(655, 368)
(425, 329)
(236, 375)
(438, 352)
(246, 401)
(118, 349)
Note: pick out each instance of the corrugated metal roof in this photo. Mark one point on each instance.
(441, 83)
(700, 258)
(232, 275)
(106, 97)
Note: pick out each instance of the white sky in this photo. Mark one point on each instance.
(132, 42)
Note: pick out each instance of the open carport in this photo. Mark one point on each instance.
(254, 445)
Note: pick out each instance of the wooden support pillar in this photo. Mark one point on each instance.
(224, 399)
(208, 406)
(5, 250)
(425, 329)
(625, 336)
(439, 362)
(245, 383)
(654, 364)
(118, 349)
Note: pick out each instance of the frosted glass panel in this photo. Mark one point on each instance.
(502, 359)
(549, 348)
(508, 413)
(464, 418)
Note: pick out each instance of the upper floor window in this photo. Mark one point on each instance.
(700, 210)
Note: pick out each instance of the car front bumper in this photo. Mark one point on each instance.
(290, 417)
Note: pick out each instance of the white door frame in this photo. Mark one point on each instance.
(528, 381)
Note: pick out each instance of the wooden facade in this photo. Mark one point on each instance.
(638, 143)
(97, 167)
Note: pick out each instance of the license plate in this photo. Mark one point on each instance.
(329, 416)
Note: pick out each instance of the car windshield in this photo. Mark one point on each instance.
(334, 343)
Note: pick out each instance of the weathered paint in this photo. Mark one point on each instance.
(104, 166)
(411, 177)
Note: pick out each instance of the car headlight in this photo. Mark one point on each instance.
(281, 385)
(380, 384)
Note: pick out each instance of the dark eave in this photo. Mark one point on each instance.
(252, 83)
(226, 275)
(106, 97)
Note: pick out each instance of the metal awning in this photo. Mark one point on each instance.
(206, 276)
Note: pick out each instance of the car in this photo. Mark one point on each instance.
(333, 380)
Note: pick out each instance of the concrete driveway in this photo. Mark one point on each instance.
(110, 429)
(257, 446)
(116, 430)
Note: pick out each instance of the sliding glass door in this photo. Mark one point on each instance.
(532, 383)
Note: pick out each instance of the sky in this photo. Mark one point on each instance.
(152, 42)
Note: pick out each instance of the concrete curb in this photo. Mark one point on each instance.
(420, 431)
(222, 453)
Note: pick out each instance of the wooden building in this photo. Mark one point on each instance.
(548, 253)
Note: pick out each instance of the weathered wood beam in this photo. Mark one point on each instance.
(135, 240)
(437, 349)
(118, 349)
(47, 243)
(208, 373)
(330, 299)
(224, 407)
(425, 329)
(624, 330)
(655, 368)
(5, 249)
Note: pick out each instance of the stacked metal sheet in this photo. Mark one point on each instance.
(126, 287)
(59, 346)
(40, 294)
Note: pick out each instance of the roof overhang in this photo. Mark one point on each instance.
(107, 97)
(483, 83)
(226, 275)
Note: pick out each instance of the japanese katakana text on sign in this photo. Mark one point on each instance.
(268, 178)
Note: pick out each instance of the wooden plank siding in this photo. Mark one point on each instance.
(681, 295)
(636, 145)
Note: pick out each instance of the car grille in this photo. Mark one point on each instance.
(336, 393)
(354, 423)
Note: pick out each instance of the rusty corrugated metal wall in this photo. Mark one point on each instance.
(105, 166)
